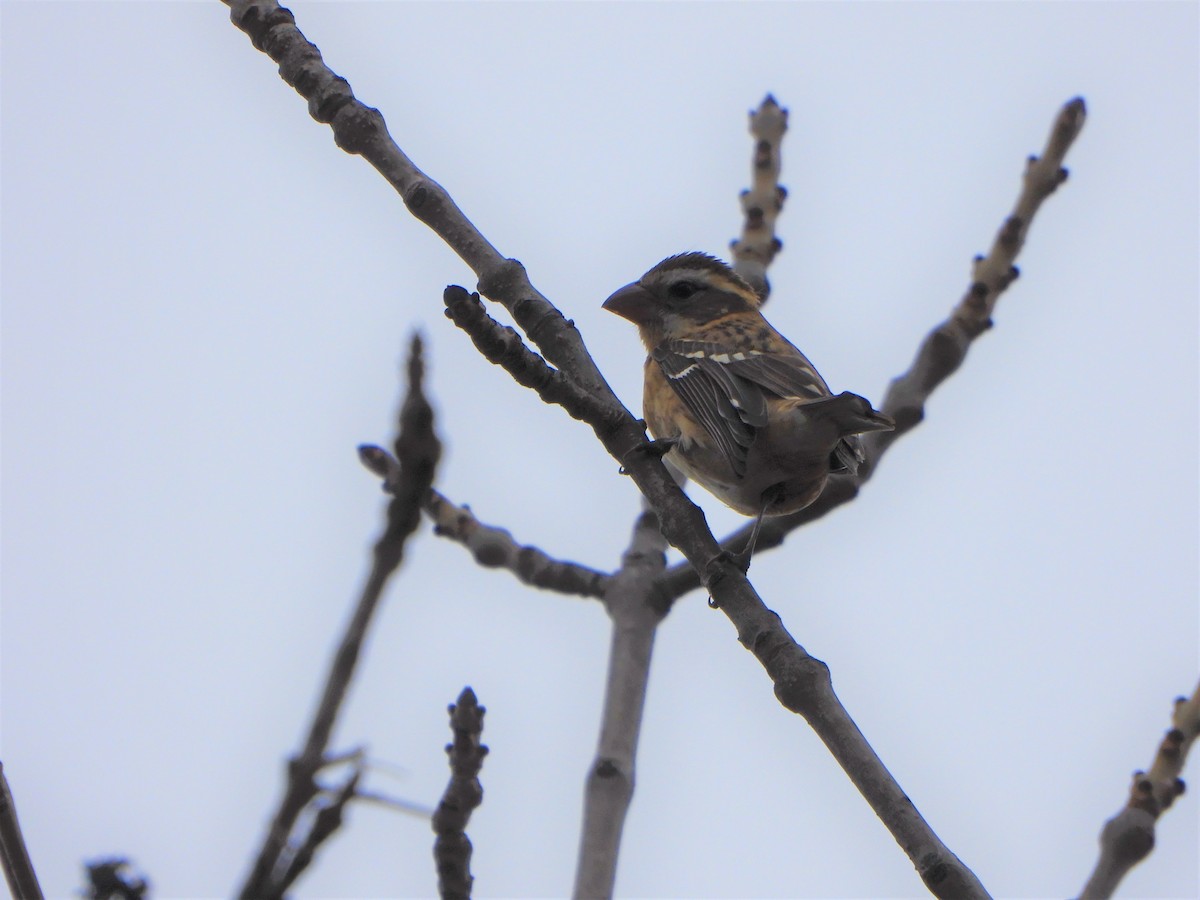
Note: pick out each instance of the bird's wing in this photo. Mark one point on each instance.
(847, 456)
(726, 391)
(729, 407)
(788, 375)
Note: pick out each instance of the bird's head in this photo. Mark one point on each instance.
(680, 293)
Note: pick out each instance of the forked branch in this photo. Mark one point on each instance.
(284, 854)
(943, 349)
(801, 682)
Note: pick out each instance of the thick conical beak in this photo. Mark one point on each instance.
(632, 302)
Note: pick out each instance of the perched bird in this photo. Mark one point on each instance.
(735, 405)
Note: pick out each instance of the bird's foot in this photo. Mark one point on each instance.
(658, 449)
(718, 567)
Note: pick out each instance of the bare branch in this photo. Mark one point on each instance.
(946, 346)
(942, 351)
(18, 867)
(452, 848)
(494, 548)
(360, 129)
(801, 682)
(326, 820)
(1128, 837)
(417, 451)
(503, 347)
(754, 252)
(635, 607)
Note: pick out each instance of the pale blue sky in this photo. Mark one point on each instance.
(204, 307)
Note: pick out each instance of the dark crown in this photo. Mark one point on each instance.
(696, 261)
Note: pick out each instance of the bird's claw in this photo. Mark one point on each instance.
(718, 567)
(658, 449)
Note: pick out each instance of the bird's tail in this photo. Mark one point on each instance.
(851, 414)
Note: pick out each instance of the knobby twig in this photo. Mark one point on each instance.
(1128, 837)
(502, 346)
(942, 351)
(635, 608)
(112, 879)
(494, 548)
(755, 250)
(417, 452)
(801, 682)
(18, 867)
(361, 130)
(452, 847)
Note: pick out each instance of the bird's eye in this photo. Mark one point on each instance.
(682, 289)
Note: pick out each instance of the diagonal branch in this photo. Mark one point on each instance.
(944, 350)
(502, 346)
(1128, 837)
(417, 449)
(360, 129)
(494, 548)
(14, 854)
(326, 820)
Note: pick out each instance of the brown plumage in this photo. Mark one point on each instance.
(743, 411)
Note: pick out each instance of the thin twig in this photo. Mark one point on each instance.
(326, 820)
(417, 450)
(494, 548)
(463, 794)
(1128, 837)
(420, 810)
(503, 347)
(755, 250)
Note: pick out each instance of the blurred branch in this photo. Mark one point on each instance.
(405, 806)
(1128, 837)
(463, 794)
(942, 351)
(327, 818)
(417, 452)
(18, 867)
(755, 250)
(635, 608)
(494, 548)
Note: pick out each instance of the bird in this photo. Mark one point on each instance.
(729, 400)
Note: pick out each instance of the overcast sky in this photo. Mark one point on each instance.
(205, 305)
